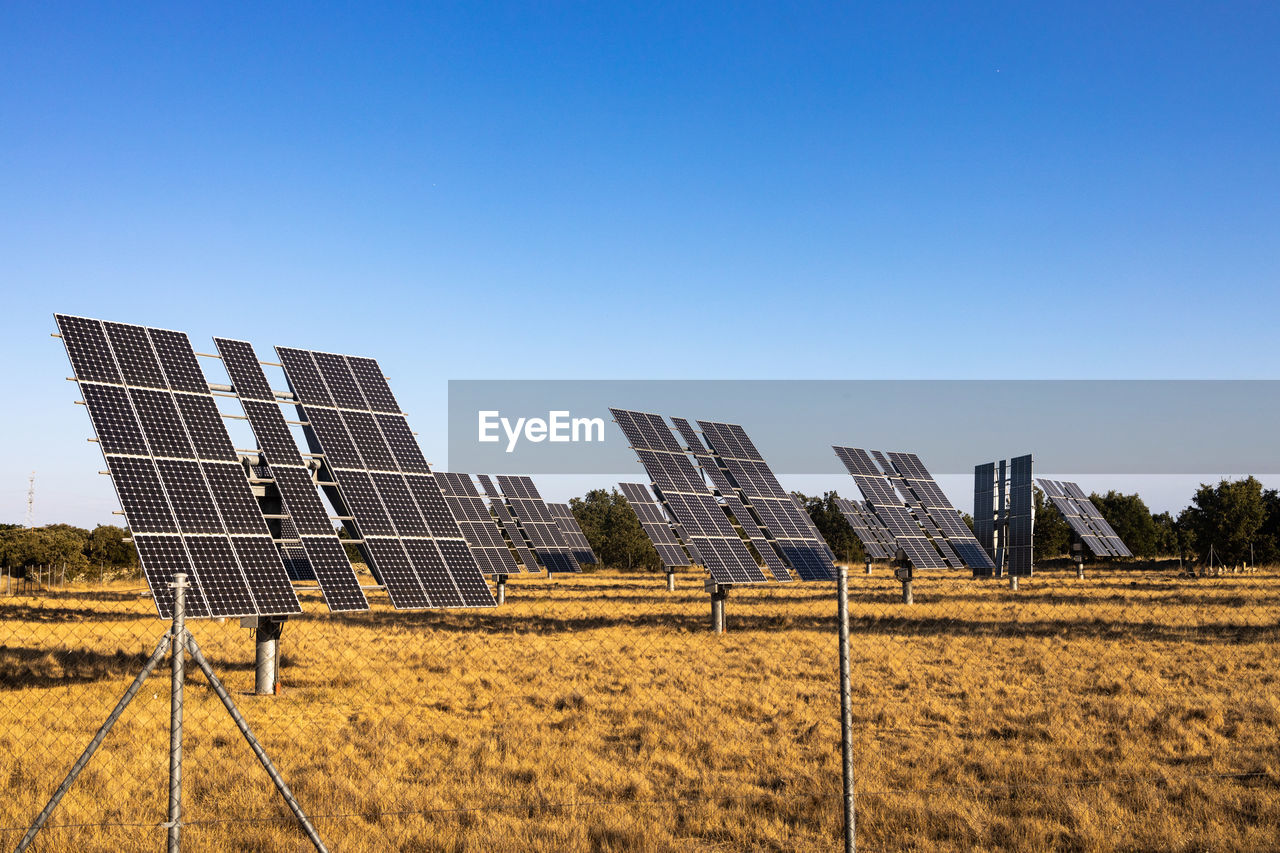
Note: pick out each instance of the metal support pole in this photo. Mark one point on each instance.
(266, 678)
(276, 778)
(1080, 569)
(868, 567)
(175, 710)
(846, 708)
(671, 581)
(502, 589)
(83, 760)
(1013, 582)
(906, 592)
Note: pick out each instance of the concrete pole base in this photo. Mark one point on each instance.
(267, 659)
(1013, 582)
(906, 593)
(671, 581)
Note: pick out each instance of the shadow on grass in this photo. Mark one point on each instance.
(22, 668)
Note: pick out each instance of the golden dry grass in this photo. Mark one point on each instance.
(1134, 711)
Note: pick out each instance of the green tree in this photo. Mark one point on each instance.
(107, 547)
(614, 532)
(1129, 516)
(1167, 539)
(1228, 518)
(834, 527)
(1052, 536)
(1266, 550)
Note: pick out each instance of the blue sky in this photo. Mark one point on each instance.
(580, 191)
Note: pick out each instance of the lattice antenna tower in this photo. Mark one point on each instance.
(31, 501)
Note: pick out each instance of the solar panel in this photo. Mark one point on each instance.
(706, 529)
(186, 499)
(321, 550)
(409, 537)
(766, 550)
(984, 511)
(572, 533)
(889, 508)
(876, 539)
(1084, 519)
(507, 522)
(478, 525)
(789, 526)
(537, 524)
(656, 525)
(945, 517)
(1021, 516)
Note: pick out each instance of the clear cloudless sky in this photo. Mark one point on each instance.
(574, 190)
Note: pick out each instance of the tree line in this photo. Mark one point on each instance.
(82, 552)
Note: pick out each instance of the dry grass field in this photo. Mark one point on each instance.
(1135, 710)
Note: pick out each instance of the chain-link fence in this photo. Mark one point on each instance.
(1135, 709)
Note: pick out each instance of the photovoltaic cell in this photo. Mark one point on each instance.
(113, 419)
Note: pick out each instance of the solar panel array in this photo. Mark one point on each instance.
(913, 503)
(185, 494)
(507, 522)
(572, 533)
(478, 526)
(940, 511)
(408, 534)
(768, 554)
(656, 525)
(1084, 518)
(889, 508)
(539, 527)
(308, 538)
(876, 539)
(789, 526)
(706, 529)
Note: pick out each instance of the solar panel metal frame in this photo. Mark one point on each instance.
(299, 496)
(712, 539)
(233, 566)
(431, 567)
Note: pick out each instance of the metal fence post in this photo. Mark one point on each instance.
(846, 708)
(175, 710)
